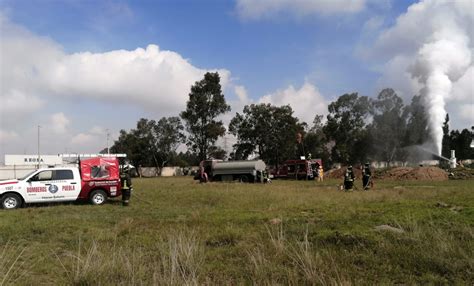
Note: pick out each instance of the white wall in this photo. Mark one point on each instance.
(12, 160)
(14, 172)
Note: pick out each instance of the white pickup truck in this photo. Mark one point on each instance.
(95, 180)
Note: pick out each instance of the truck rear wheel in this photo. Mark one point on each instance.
(98, 197)
(244, 179)
(11, 201)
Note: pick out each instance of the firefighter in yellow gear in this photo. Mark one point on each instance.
(320, 174)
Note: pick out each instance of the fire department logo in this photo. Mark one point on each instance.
(53, 189)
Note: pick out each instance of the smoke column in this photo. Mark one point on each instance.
(440, 61)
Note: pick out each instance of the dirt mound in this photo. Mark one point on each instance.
(418, 173)
(339, 173)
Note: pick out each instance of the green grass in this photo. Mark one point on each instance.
(177, 231)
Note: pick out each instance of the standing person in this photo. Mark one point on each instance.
(349, 179)
(203, 178)
(366, 176)
(126, 184)
(320, 173)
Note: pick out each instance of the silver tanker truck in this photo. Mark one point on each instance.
(243, 171)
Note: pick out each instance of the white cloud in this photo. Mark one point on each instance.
(373, 24)
(36, 72)
(255, 9)
(241, 93)
(395, 74)
(34, 67)
(16, 102)
(82, 139)
(97, 130)
(236, 103)
(148, 77)
(467, 113)
(306, 102)
(59, 122)
(7, 135)
(463, 89)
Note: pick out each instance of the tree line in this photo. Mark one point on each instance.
(357, 128)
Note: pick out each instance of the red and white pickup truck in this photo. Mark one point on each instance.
(95, 180)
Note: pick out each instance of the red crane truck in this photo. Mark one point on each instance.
(298, 169)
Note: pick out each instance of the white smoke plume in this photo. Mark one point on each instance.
(441, 62)
(428, 50)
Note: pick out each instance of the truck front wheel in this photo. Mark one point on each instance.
(11, 201)
(98, 197)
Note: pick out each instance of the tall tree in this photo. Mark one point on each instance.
(137, 144)
(266, 129)
(460, 142)
(217, 152)
(417, 125)
(346, 127)
(206, 102)
(388, 126)
(445, 145)
(168, 134)
(315, 141)
(151, 143)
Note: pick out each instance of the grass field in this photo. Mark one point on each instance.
(177, 232)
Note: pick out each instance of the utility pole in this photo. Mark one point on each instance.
(108, 135)
(472, 136)
(225, 145)
(39, 157)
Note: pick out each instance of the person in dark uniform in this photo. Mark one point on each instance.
(126, 184)
(366, 177)
(349, 179)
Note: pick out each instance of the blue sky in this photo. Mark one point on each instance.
(303, 53)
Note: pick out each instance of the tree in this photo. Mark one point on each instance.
(417, 125)
(151, 143)
(168, 134)
(445, 145)
(460, 143)
(315, 141)
(137, 144)
(388, 126)
(266, 129)
(217, 152)
(206, 102)
(187, 159)
(346, 127)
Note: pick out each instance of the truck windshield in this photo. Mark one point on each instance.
(27, 175)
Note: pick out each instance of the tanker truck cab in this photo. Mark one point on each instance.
(95, 180)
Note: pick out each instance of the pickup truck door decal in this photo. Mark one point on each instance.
(53, 185)
(70, 187)
(38, 185)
